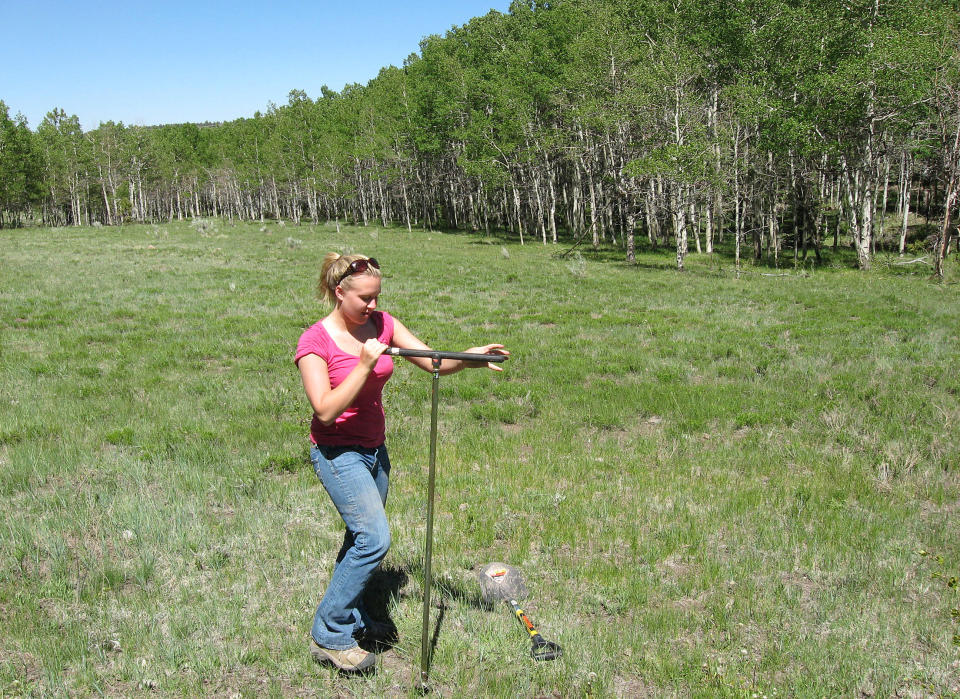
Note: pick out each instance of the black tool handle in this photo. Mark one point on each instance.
(434, 354)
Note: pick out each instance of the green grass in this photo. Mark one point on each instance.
(713, 485)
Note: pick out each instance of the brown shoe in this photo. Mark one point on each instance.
(354, 659)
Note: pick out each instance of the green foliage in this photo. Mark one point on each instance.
(607, 118)
(688, 162)
(20, 168)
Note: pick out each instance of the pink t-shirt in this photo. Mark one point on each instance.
(362, 424)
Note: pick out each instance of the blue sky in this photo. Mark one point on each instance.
(172, 61)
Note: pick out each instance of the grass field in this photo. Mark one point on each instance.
(713, 486)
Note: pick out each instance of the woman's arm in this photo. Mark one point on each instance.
(329, 403)
(405, 339)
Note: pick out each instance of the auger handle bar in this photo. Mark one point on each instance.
(434, 354)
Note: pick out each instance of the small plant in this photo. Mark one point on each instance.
(944, 575)
(204, 226)
(577, 266)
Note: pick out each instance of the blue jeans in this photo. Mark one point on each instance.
(356, 479)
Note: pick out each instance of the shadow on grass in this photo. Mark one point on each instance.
(662, 256)
(386, 585)
(389, 584)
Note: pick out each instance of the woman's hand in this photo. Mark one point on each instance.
(370, 352)
(486, 349)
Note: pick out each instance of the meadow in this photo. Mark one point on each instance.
(714, 485)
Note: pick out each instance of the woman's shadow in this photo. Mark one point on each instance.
(385, 586)
(389, 584)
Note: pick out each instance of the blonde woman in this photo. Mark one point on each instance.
(343, 368)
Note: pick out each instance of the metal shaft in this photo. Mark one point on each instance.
(428, 545)
(435, 355)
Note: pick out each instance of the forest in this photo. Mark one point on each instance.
(778, 126)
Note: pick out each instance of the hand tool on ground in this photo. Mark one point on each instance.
(498, 581)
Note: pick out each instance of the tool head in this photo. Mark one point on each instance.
(499, 582)
(545, 650)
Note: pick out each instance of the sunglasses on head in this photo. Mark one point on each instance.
(358, 266)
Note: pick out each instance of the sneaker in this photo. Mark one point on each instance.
(350, 660)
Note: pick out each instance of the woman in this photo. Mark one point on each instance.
(343, 368)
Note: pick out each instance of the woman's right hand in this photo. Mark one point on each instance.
(370, 352)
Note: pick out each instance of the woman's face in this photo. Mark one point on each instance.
(359, 300)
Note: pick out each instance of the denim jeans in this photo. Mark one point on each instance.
(356, 479)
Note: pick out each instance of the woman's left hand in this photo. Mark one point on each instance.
(487, 349)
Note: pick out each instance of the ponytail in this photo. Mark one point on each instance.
(334, 266)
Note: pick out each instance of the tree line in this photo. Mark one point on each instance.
(784, 125)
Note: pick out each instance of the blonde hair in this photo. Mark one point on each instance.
(335, 266)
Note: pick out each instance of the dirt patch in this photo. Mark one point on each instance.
(390, 661)
(26, 669)
(640, 427)
(691, 603)
(634, 687)
(676, 567)
(215, 365)
(251, 681)
(807, 587)
(56, 610)
(32, 564)
(949, 508)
